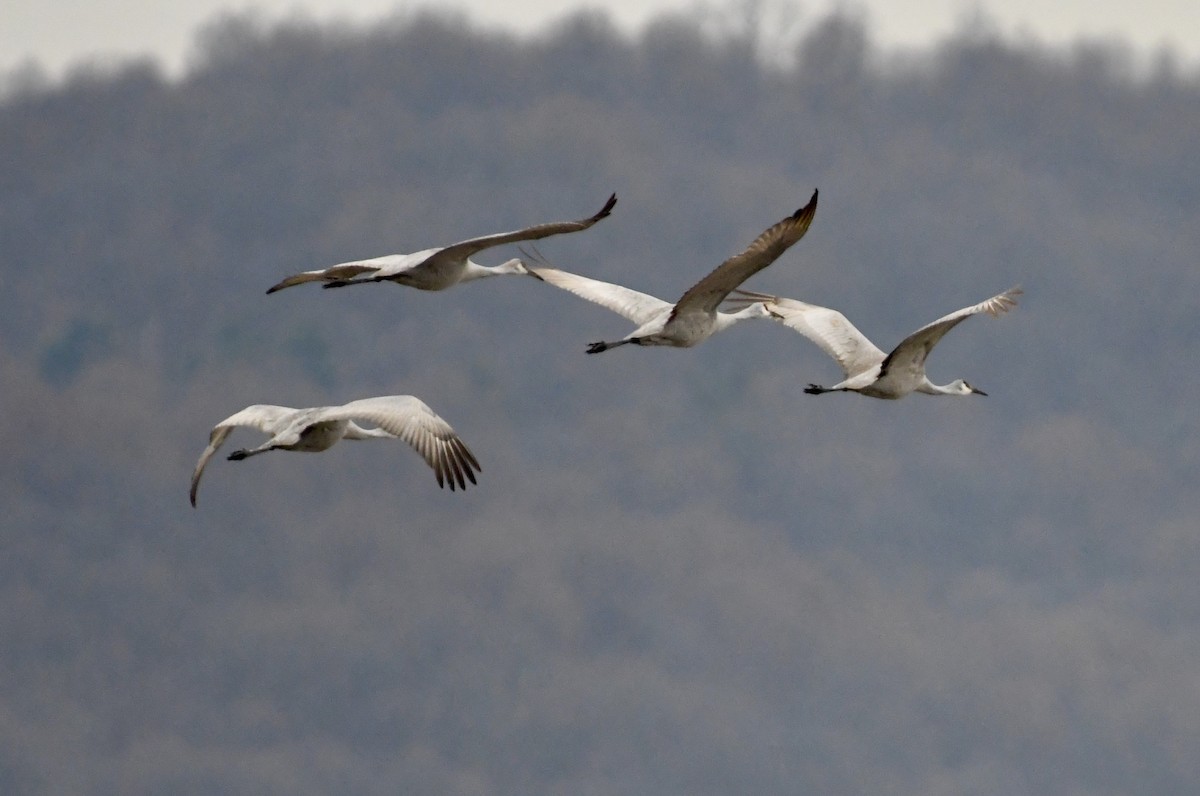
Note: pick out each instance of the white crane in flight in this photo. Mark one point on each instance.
(866, 369)
(403, 417)
(440, 268)
(695, 317)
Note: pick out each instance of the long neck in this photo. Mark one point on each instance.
(355, 431)
(724, 320)
(476, 271)
(929, 388)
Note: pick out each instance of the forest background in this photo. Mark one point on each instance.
(678, 573)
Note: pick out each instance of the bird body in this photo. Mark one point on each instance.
(867, 370)
(695, 317)
(315, 429)
(658, 322)
(441, 267)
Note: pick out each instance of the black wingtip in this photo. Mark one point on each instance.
(608, 206)
(811, 207)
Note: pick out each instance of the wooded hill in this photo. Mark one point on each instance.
(678, 573)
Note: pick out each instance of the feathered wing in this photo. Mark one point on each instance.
(450, 255)
(707, 294)
(333, 273)
(916, 347)
(467, 248)
(630, 304)
(829, 329)
(410, 419)
(264, 417)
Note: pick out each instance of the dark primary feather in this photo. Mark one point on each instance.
(538, 231)
(709, 292)
(451, 257)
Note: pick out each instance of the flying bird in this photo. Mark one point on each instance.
(695, 317)
(866, 369)
(403, 417)
(440, 268)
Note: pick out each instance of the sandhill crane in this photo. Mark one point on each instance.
(695, 316)
(867, 370)
(403, 417)
(440, 268)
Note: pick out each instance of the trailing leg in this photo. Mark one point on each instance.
(596, 348)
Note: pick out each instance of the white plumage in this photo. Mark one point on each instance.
(866, 369)
(652, 315)
(403, 417)
(695, 316)
(440, 268)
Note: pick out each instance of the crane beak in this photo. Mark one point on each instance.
(978, 391)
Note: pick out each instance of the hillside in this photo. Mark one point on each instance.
(678, 573)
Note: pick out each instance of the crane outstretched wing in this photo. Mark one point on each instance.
(630, 304)
(410, 419)
(707, 294)
(916, 347)
(829, 329)
(536, 232)
(267, 418)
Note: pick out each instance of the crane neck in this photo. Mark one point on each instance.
(476, 271)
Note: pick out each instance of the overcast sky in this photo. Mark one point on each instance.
(60, 32)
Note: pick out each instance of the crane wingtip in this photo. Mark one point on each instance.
(608, 206)
(810, 207)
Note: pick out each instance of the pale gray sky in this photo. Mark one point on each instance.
(58, 33)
